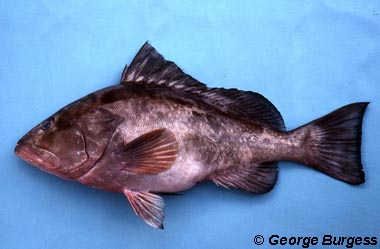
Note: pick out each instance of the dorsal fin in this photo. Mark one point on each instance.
(250, 106)
(150, 68)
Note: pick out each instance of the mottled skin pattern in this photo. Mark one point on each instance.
(208, 141)
(161, 131)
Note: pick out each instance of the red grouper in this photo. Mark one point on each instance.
(162, 131)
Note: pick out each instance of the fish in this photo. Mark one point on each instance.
(162, 131)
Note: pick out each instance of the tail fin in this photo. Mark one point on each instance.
(333, 143)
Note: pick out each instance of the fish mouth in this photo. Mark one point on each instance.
(37, 156)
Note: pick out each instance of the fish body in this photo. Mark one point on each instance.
(205, 141)
(161, 131)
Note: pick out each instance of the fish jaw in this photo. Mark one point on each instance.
(37, 156)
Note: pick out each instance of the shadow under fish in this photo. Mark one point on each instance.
(162, 131)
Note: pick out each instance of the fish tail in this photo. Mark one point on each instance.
(332, 143)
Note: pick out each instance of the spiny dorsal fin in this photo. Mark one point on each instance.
(150, 68)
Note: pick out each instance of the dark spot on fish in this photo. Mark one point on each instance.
(112, 96)
(91, 98)
(196, 114)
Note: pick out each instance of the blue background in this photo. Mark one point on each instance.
(307, 57)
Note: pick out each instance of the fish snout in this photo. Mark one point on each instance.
(35, 155)
(19, 145)
(26, 140)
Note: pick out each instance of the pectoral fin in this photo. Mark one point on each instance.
(151, 153)
(148, 206)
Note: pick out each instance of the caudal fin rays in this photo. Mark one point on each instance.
(334, 143)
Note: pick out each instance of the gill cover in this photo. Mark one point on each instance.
(67, 144)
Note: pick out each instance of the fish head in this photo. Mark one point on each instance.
(55, 146)
(71, 141)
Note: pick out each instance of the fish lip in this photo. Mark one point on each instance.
(33, 155)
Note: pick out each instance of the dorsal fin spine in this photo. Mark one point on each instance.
(149, 67)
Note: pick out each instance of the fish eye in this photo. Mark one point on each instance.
(46, 125)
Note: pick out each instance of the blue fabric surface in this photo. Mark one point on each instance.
(307, 57)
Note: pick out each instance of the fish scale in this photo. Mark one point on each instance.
(162, 131)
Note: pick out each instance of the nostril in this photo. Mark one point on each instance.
(21, 141)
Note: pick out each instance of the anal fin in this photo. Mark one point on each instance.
(148, 206)
(257, 178)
